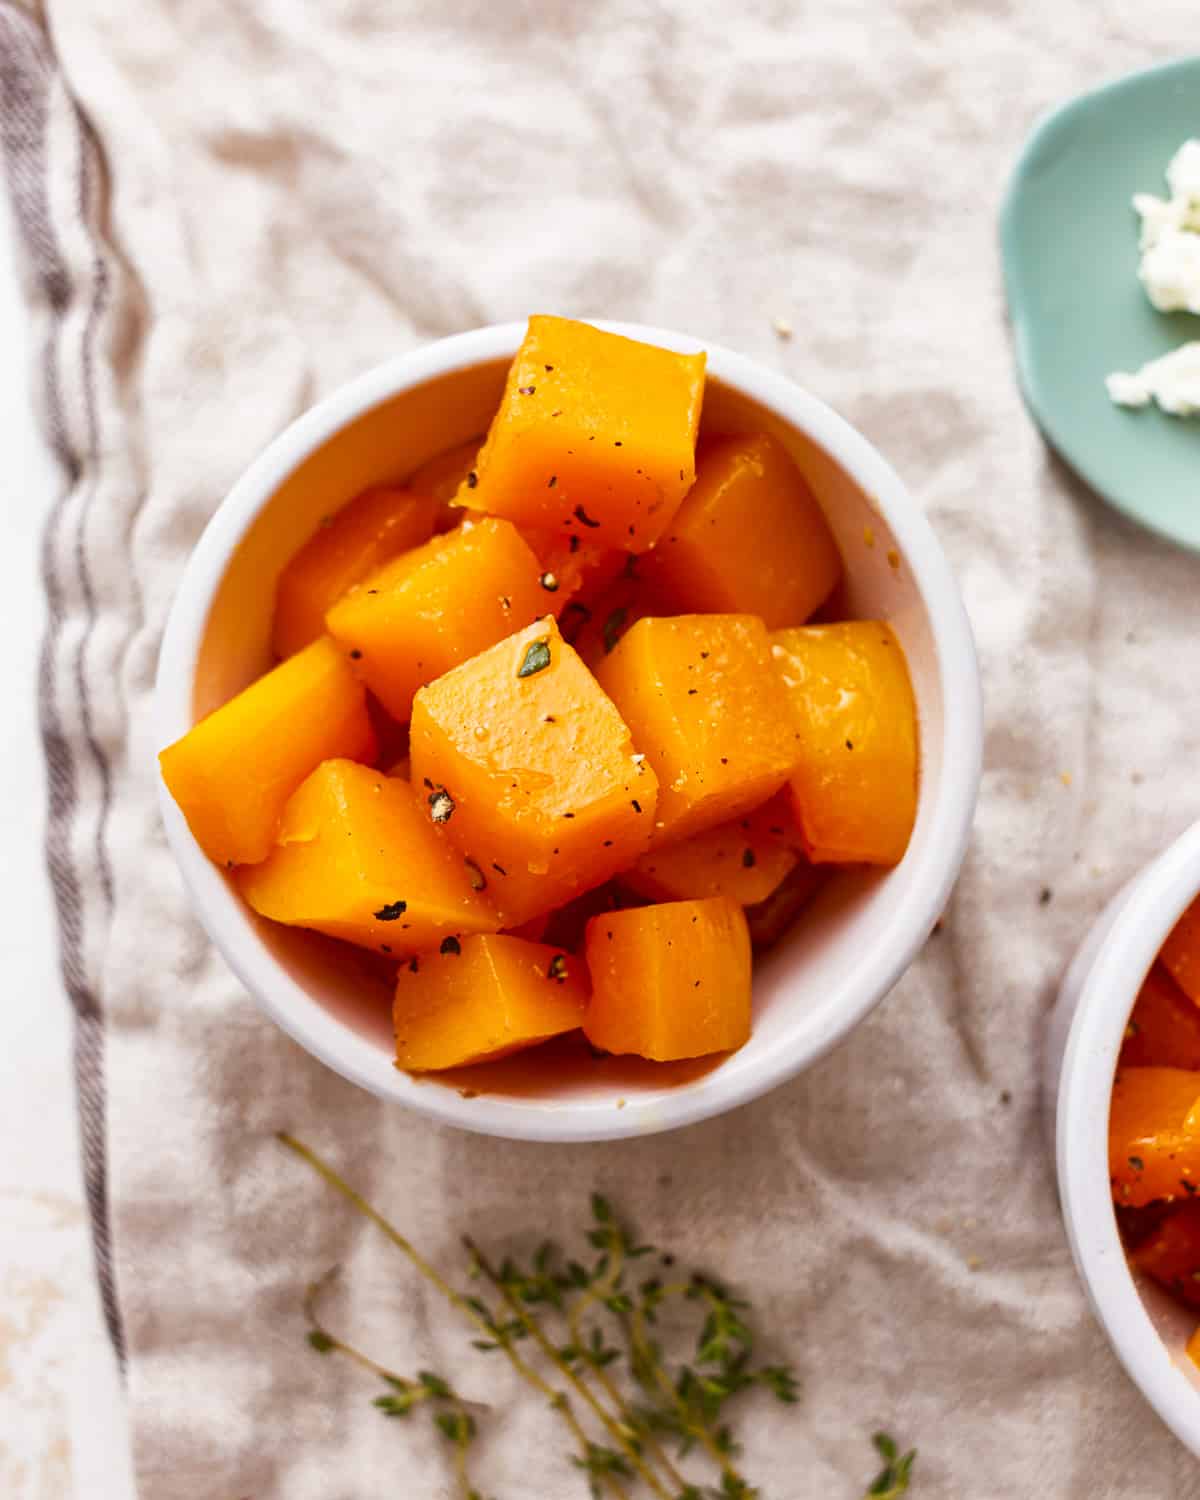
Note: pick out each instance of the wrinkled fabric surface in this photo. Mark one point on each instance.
(266, 199)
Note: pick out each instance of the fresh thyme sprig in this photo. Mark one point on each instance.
(590, 1333)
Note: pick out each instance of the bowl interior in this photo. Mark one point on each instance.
(843, 953)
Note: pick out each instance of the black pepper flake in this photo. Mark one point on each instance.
(583, 518)
(441, 806)
(630, 569)
(549, 368)
(428, 783)
(691, 692)
(696, 986)
(724, 760)
(849, 744)
(574, 545)
(552, 481)
(450, 945)
(635, 804)
(356, 655)
(558, 968)
(392, 912)
(472, 479)
(748, 859)
(536, 658)
(612, 628)
(617, 443)
(372, 591)
(566, 815)
(1137, 1163)
(413, 964)
(1188, 1187)
(478, 878)
(549, 582)
(1046, 896)
(526, 390)
(608, 843)
(505, 602)
(704, 656)
(549, 719)
(499, 869)
(385, 947)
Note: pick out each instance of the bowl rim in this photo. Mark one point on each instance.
(289, 1005)
(1148, 909)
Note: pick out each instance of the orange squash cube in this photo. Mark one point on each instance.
(669, 981)
(548, 795)
(369, 531)
(744, 860)
(749, 537)
(234, 771)
(1154, 1135)
(483, 998)
(440, 477)
(854, 788)
(1181, 952)
(359, 857)
(435, 606)
(595, 434)
(571, 566)
(1171, 1253)
(1164, 1027)
(702, 701)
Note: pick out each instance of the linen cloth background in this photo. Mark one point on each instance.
(261, 201)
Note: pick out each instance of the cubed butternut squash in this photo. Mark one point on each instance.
(854, 787)
(480, 998)
(1171, 1253)
(744, 860)
(749, 538)
(440, 478)
(362, 536)
(669, 981)
(596, 434)
(1164, 1027)
(549, 797)
(1181, 952)
(571, 566)
(359, 856)
(435, 606)
(1154, 1135)
(232, 774)
(703, 704)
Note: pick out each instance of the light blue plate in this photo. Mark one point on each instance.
(1070, 243)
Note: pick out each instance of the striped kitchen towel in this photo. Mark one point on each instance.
(225, 210)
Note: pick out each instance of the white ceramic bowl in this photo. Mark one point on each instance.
(1147, 1328)
(843, 956)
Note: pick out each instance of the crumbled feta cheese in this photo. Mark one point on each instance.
(1173, 381)
(1170, 274)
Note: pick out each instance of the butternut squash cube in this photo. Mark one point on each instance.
(744, 860)
(548, 795)
(483, 997)
(1154, 1135)
(854, 788)
(359, 857)
(1164, 1028)
(595, 434)
(364, 534)
(233, 772)
(435, 606)
(669, 981)
(1181, 952)
(1171, 1253)
(749, 537)
(702, 701)
(440, 477)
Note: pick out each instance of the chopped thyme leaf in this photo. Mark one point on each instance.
(392, 912)
(441, 806)
(536, 659)
(612, 628)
